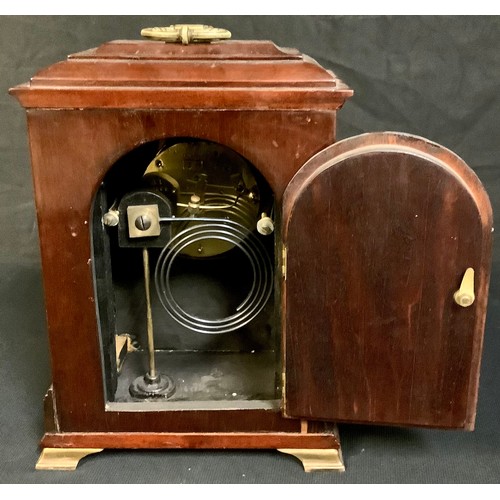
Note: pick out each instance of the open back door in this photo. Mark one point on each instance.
(379, 231)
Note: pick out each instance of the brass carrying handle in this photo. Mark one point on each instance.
(186, 33)
(464, 296)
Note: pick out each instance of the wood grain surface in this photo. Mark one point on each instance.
(380, 230)
(155, 75)
(256, 440)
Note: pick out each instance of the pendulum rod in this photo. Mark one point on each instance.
(153, 384)
(149, 325)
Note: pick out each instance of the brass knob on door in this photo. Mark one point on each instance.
(464, 296)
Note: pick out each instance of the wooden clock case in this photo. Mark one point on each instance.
(373, 237)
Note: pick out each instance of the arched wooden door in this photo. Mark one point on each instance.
(378, 232)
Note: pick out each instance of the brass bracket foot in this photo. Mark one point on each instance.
(313, 460)
(63, 458)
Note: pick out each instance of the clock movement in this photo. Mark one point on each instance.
(219, 272)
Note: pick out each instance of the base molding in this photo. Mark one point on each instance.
(194, 440)
(316, 450)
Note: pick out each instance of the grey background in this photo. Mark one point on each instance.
(433, 76)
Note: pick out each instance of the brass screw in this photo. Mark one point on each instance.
(143, 222)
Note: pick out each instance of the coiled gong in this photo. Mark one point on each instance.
(236, 235)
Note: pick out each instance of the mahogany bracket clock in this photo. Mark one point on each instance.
(219, 272)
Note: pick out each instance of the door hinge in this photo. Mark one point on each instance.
(284, 261)
(283, 396)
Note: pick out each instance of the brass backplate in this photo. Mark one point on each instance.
(223, 181)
